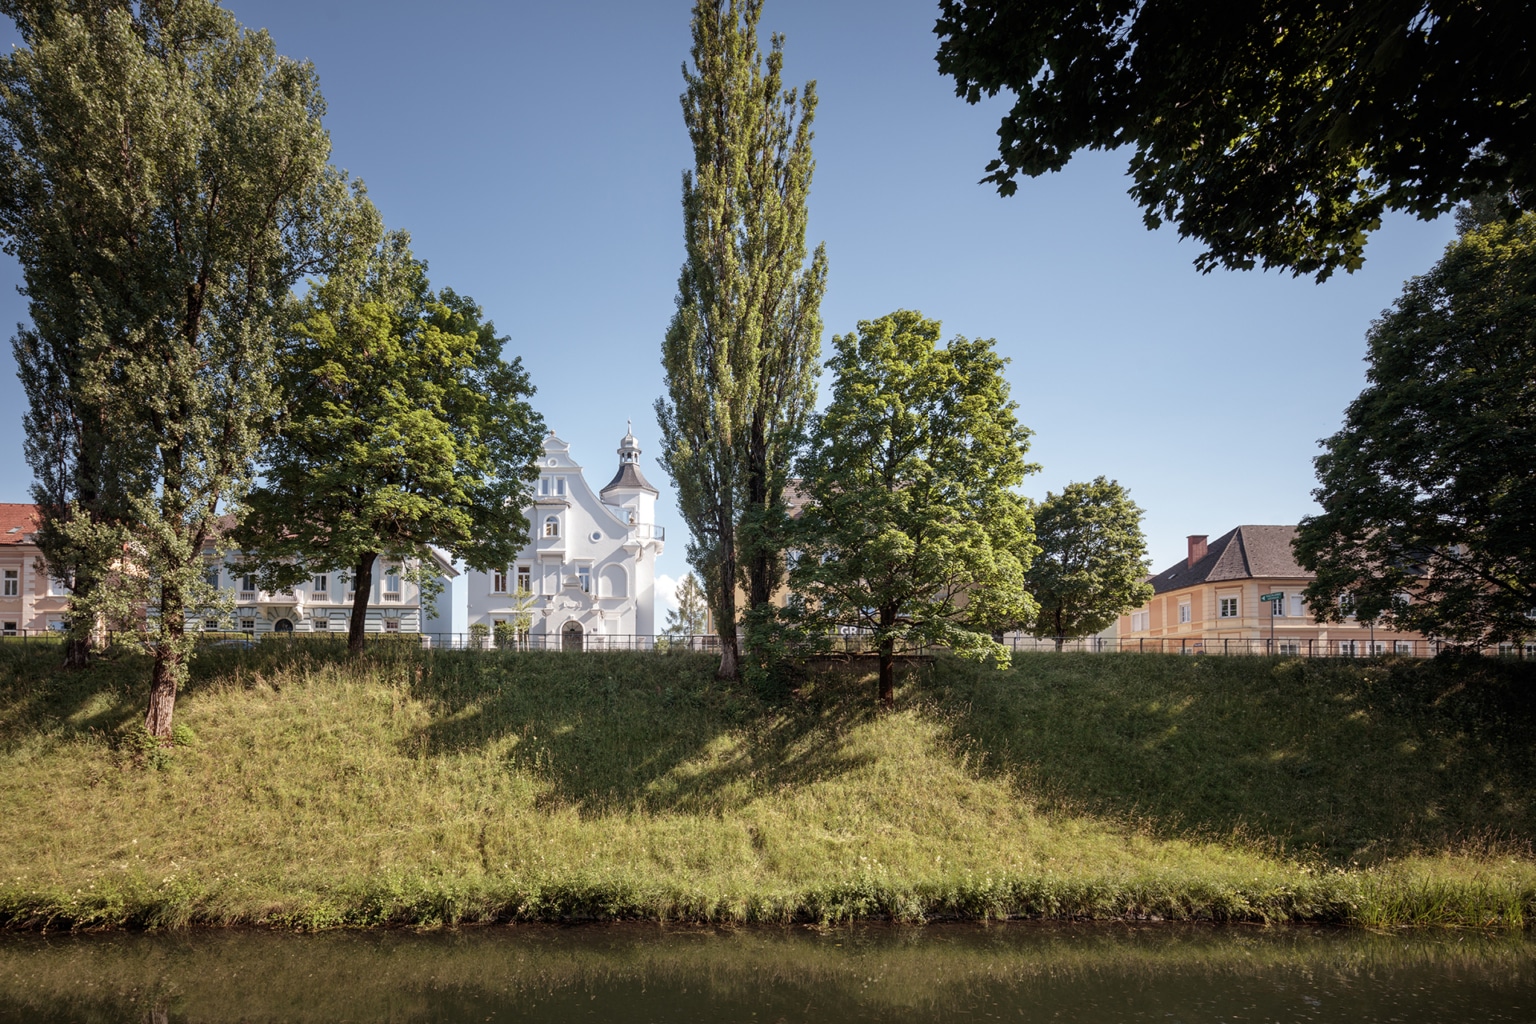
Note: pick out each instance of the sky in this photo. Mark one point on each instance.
(534, 151)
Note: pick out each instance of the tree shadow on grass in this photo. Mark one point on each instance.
(1343, 762)
(613, 732)
(38, 695)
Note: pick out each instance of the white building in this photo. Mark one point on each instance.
(323, 604)
(588, 574)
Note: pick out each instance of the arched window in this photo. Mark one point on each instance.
(552, 526)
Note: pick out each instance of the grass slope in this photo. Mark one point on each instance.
(418, 788)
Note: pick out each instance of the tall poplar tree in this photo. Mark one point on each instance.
(164, 184)
(741, 352)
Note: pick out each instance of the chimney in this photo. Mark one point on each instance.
(1196, 547)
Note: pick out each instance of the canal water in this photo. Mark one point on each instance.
(1016, 972)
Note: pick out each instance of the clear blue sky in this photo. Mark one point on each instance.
(534, 151)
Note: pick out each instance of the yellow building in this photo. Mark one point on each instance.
(1211, 602)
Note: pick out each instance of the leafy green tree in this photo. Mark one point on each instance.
(164, 184)
(404, 428)
(1428, 494)
(1275, 133)
(740, 354)
(688, 618)
(1092, 564)
(911, 531)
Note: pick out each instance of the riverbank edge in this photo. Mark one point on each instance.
(1368, 899)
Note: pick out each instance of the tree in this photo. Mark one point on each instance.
(688, 618)
(1092, 564)
(740, 354)
(404, 428)
(1275, 133)
(911, 531)
(164, 185)
(1428, 497)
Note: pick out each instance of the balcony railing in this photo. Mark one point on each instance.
(648, 531)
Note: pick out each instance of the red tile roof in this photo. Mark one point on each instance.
(17, 523)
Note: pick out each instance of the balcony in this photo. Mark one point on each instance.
(647, 531)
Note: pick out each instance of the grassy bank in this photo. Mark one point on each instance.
(418, 789)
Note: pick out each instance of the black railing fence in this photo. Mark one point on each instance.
(851, 644)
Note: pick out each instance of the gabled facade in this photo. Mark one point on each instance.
(1212, 598)
(589, 568)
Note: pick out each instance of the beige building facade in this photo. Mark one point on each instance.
(1211, 602)
(30, 601)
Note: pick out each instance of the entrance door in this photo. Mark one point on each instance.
(571, 636)
(282, 626)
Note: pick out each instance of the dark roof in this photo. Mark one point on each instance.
(1241, 554)
(629, 475)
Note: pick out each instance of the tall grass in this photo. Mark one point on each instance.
(420, 788)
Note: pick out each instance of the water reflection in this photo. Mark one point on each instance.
(645, 973)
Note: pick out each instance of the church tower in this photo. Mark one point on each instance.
(631, 492)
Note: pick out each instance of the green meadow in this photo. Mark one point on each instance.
(419, 788)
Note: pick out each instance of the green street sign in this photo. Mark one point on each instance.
(1271, 597)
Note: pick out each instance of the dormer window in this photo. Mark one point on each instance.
(543, 486)
(552, 526)
(560, 486)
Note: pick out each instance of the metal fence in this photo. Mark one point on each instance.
(851, 645)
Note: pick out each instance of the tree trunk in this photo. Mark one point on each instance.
(162, 692)
(362, 586)
(170, 666)
(887, 681)
(1060, 630)
(725, 611)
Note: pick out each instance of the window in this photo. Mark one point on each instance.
(1139, 621)
(391, 625)
(392, 584)
(1297, 607)
(249, 625)
(560, 486)
(1346, 648)
(1228, 607)
(322, 585)
(211, 577)
(210, 624)
(1402, 647)
(322, 623)
(1288, 647)
(1277, 607)
(552, 526)
(10, 628)
(12, 582)
(1184, 612)
(57, 625)
(1347, 605)
(584, 577)
(499, 581)
(543, 486)
(524, 580)
(59, 588)
(248, 587)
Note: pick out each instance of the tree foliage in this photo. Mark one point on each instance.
(1092, 564)
(741, 352)
(164, 185)
(688, 618)
(403, 428)
(911, 532)
(1276, 133)
(1428, 494)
